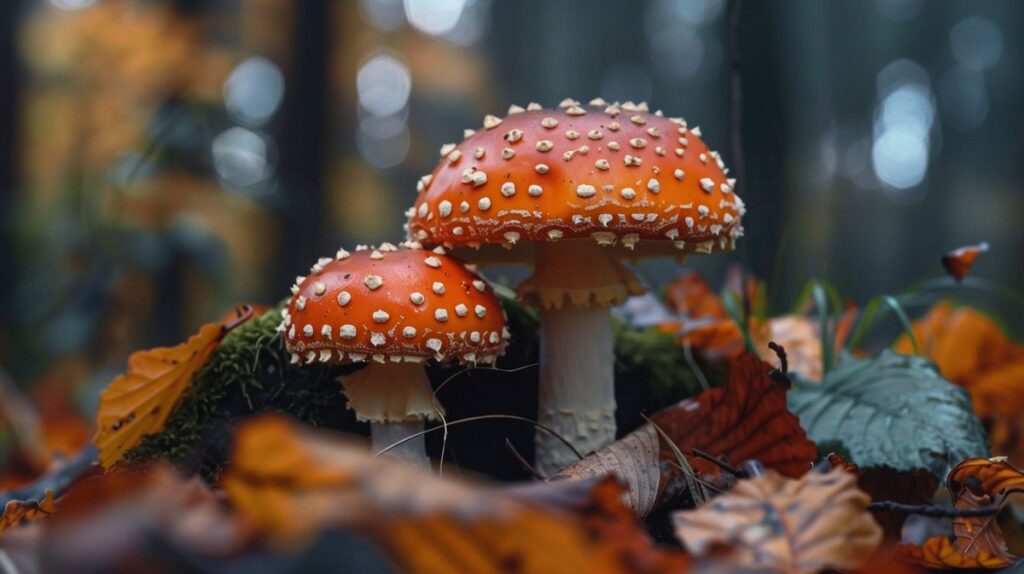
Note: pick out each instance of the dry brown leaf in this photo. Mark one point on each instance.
(747, 419)
(809, 524)
(19, 511)
(138, 403)
(292, 483)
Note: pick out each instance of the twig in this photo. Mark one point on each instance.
(536, 424)
(933, 511)
(719, 462)
(529, 467)
(780, 375)
(56, 481)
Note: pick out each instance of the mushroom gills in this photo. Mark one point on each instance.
(394, 398)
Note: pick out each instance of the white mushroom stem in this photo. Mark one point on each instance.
(575, 283)
(384, 434)
(395, 398)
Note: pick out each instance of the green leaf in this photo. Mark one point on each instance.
(891, 410)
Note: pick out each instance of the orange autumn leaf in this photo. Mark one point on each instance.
(19, 511)
(138, 403)
(747, 419)
(705, 325)
(941, 553)
(998, 397)
(962, 342)
(293, 483)
(958, 262)
(810, 524)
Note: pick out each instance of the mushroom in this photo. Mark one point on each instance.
(574, 190)
(393, 308)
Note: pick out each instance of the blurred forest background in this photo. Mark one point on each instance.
(163, 160)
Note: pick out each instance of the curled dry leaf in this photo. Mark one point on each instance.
(808, 524)
(958, 262)
(293, 483)
(745, 420)
(138, 403)
(19, 511)
(979, 541)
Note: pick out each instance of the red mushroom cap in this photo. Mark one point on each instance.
(613, 173)
(393, 304)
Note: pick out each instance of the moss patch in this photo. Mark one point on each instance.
(249, 373)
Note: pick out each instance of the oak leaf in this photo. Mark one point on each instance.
(747, 419)
(292, 483)
(138, 403)
(809, 524)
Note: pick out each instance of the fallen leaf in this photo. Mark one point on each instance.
(940, 552)
(891, 410)
(813, 523)
(19, 511)
(293, 483)
(747, 419)
(887, 484)
(131, 519)
(704, 323)
(138, 403)
(962, 343)
(958, 262)
(972, 350)
(998, 397)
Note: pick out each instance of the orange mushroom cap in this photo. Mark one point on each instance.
(393, 304)
(613, 173)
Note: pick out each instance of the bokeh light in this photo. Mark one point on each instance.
(253, 91)
(383, 85)
(976, 42)
(434, 17)
(242, 157)
(903, 125)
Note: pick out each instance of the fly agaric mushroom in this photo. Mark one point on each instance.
(393, 308)
(574, 190)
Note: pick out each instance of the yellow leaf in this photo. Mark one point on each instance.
(138, 403)
(19, 511)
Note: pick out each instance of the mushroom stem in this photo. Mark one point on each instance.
(384, 434)
(576, 397)
(575, 283)
(395, 398)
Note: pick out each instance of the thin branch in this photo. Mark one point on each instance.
(526, 465)
(536, 424)
(933, 511)
(719, 463)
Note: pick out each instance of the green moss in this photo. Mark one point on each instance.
(249, 373)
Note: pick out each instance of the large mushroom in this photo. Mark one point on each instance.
(393, 308)
(574, 190)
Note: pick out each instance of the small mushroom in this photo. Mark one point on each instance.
(618, 194)
(393, 309)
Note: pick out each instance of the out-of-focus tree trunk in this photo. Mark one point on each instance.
(9, 78)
